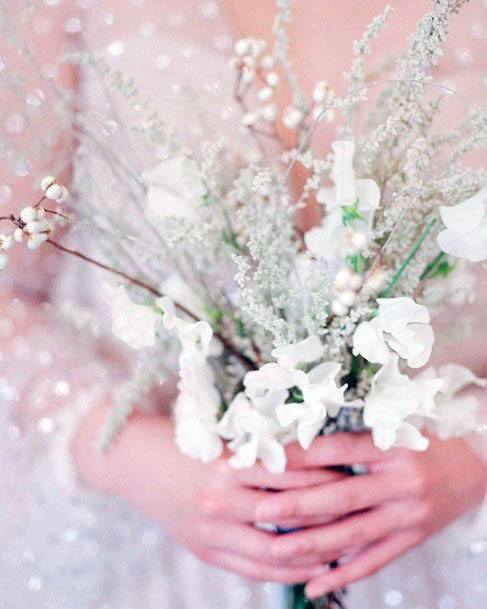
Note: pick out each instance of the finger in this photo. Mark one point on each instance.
(237, 506)
(348, 495)
(258, 477)
(364, 564)
(247, 541)
(336, 449)
(303, 522)
(252, 543)
(335, 540)
(258, 571)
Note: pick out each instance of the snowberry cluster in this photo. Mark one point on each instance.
(346, 286)
(53, 190)
(253, 62)
(32, 224)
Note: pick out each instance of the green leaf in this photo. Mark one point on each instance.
(215, 317)
(296, 395)
(351, 213)
(241, 329)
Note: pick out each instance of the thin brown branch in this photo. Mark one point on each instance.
(246, 361)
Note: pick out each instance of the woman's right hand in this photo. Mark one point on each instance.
(207, 508)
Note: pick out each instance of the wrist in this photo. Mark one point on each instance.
(111, 471)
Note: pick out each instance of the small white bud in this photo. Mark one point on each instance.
(242, 47)
(3, 261)
(272, 79)
(355, 241)
(342, 279)
(28, 214)
(32, 227)
(267, 62)
(356, 281)
(46, 182)
(54, 192)
(269, 113)
(319, 91)
(6, 242)
(292, 117)
(34, 241)
(64, 195)
(249, 62)
(247, 76)
(18, 235)
(347, 297)
(338, 308)
(249, 119)
(265, 94)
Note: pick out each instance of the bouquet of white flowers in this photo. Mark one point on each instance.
(281, 336)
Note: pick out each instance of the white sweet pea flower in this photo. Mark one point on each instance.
(456, 414)
(253, 433)
(196, 409)
(465, 234)
(393, 403)
(332, 237)
(193, 335)
(174, 188)
(321, 398)
(348, 189)
(198, 403)
(401, 325)
(133, 323)
(283, 374)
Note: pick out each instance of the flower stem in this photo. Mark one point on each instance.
(433, 264)
(397, 275)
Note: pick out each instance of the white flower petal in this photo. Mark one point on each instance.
(466, 216)
(307, 432)
(246, 455)
(469, 246)
(308, 350)
(368, 342)
(343, 174)
(272, 455)
(465, 235)
(287, 414)
(368, 193)
(133, 323)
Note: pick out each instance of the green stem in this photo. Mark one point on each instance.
(433, 264)
(412, 254)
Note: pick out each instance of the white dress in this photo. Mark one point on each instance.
(64, 547)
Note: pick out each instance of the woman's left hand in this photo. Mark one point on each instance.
(404, 498)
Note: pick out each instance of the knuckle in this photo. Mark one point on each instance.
(210, 504)
(348, 499)
(358, 537)
(204, 531)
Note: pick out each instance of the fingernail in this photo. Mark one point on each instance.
(268, 511)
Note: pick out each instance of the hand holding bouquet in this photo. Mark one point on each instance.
(282, 337)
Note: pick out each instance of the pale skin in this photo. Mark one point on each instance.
(211, 509)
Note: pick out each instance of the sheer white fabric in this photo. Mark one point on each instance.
(67, 548)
